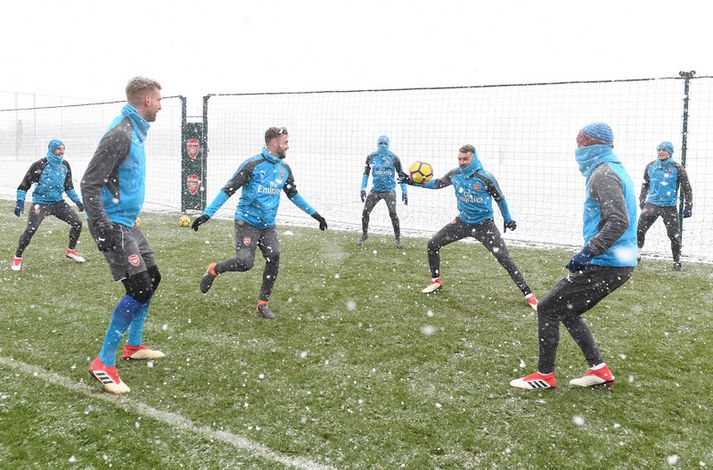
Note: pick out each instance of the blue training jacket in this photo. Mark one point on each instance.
(113, 187)
(609, 225)
(661, 182)
(384, 165)
(262, 178)
(475, 190)
(53, 176)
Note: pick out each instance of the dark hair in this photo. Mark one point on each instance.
(137, 86)
(467, 148)
(274, 132)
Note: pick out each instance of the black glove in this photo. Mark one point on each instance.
(320, 219)
(512, 225)
(19, 207)
(363, 195)
(687, 212)
(580, 261)
(404, 198)
(106, 239)
(200, 221)
(80, 206)
(405, 179)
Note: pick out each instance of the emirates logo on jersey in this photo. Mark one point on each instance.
(247, 241)
(134, 259)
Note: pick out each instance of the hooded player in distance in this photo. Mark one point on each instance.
(384, 165)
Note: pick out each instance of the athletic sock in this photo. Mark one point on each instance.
(136, 327)
(124, 312)
(601, 365)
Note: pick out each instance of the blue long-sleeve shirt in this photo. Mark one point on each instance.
(383, 165)
(53, 177)
(662, 179)
(475, 190)
(262, 178)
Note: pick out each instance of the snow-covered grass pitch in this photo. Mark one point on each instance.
(360, 370)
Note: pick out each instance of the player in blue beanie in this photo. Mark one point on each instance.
(659, 194)
(605, 262)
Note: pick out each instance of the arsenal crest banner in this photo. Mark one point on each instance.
(193, 167)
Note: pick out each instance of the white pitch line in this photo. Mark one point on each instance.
(172, 419)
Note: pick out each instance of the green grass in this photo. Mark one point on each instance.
(346, 376)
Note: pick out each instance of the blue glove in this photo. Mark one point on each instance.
(512, 225)
(404, 198)
(19, 207)
(363, 195)
(405, 179)
(80, 206)
(580, 261)
(687, 212)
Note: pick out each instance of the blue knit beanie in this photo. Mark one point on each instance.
(383, 140)
(599, 131)
(667, 146)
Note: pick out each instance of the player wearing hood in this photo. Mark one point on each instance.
(262, 178)
(53, 177)
(113, 188)
(605, 262)
(384, 166)
(475, 190)
(662, 179)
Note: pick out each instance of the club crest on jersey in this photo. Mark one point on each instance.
(670, 170)
(282, 174)
(134, 259)
(476, 186)
(193, 147)
(247, 241)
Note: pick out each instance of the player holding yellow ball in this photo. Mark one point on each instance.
(475, 190)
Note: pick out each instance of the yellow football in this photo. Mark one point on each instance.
(184, 221)
(421, 172)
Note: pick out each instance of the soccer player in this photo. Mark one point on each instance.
(113, 188)
(262, 178)
(604, 263)
(475, 190)
(384, 165)
(662, 178)
(53, 177)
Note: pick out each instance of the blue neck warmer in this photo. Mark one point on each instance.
(665, 163)
(474, 166)
(382, 149)
(592, 156)
(54, 160)
(270, 157)
(141, 127)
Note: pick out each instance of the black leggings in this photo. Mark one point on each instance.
(570, 298)
(669, 214)
(37, 214)
(371, 200)
(486, 233)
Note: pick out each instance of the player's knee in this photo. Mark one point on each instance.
(139, 287)
(433, 246)
(245, 262)
(273, 258)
